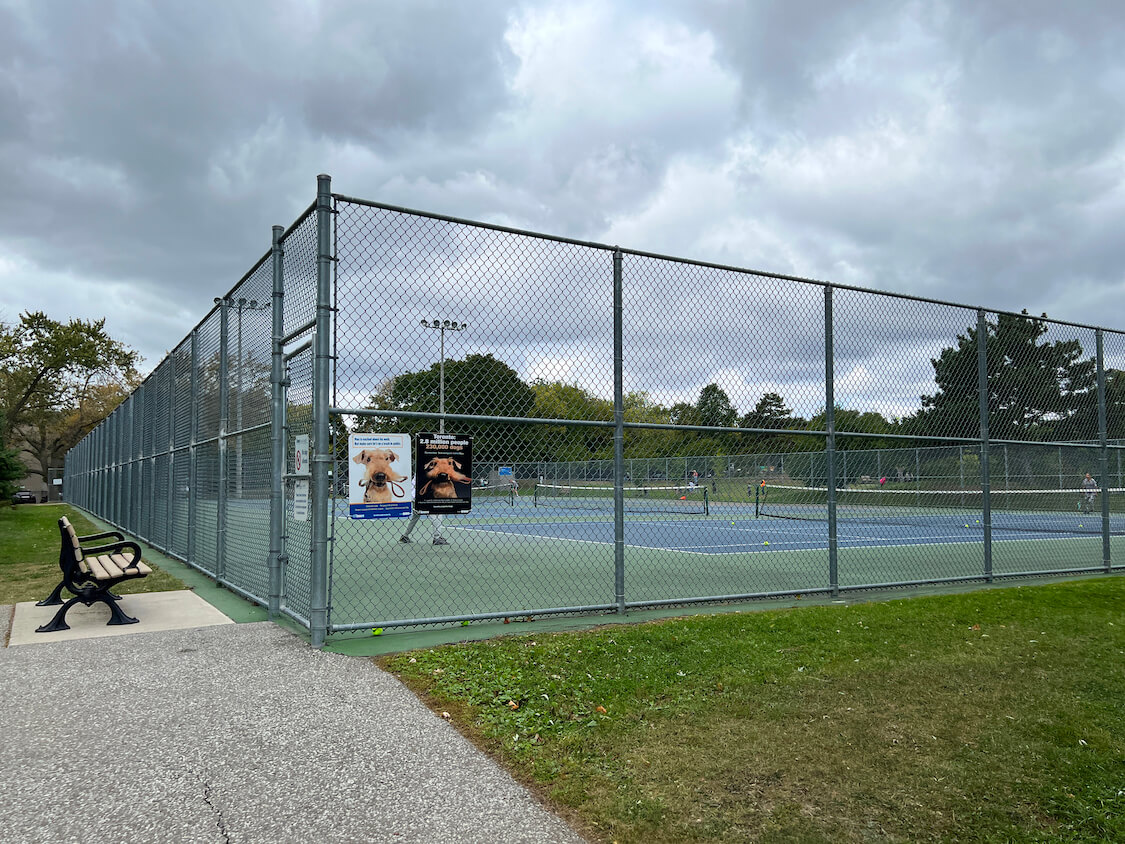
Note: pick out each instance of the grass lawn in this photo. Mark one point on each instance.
(29, 554)
(996, 715)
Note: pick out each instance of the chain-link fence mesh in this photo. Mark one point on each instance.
(645, 430)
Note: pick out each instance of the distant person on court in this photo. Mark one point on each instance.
(1089, 493)
(436, 521)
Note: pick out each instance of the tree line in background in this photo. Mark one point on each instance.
(1039, 391)
(58, 380)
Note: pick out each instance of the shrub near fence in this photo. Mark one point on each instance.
(577, 364)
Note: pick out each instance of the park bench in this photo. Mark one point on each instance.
(90, 573)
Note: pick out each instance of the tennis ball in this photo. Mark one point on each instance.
(376, 631)
(732, 523)
(966, 525)
(765, 543)
(465, 623)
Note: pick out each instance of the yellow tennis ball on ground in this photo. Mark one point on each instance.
(765, 543)
(376, 631)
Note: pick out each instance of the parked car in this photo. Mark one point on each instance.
(23, 496)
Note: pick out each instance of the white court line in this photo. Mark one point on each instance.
(802, 546)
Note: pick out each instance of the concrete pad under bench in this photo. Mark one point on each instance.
(177, 610)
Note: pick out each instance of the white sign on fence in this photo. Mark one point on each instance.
(301, 501)
(301, 458)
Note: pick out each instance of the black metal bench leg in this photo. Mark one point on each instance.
(59, 621)
(116, 614)
(55, 598)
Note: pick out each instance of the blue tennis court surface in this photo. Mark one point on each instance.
(719, 536)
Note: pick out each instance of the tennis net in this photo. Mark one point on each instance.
(1035, 510)
(494, 494)
(685, 500)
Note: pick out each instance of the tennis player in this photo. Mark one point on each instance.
(1089, 493)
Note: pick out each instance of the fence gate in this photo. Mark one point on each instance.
(296, 586)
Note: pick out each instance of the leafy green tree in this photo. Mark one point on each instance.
(49, 365)
(1037, 390)
(555, 400)
(57, 381)
(769, 412)
(479, 385)
(11, 467)
(714, 408)
(857, 421)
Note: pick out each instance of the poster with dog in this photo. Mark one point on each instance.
(379, 483)
(444, 473)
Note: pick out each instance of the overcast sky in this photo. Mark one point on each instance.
(969, 151)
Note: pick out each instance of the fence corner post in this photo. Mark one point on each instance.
(830, 441)
(321, 457)
(1103, 452)
(277, 433)
(618, 436)
(985, 470)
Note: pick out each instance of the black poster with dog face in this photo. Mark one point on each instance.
(443, 476)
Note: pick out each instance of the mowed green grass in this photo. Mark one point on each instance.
(996, 715)
(29, 554)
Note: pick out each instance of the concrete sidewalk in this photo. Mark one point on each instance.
(237, 732)
(177, 610)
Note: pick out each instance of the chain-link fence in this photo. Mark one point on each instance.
(644, 431)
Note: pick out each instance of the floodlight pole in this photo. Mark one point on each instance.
(240, 304)
(442, 326)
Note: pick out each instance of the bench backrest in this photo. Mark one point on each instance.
(70, 538)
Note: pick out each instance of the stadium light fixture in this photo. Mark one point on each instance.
(442, 326)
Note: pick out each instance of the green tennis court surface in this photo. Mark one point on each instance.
(529, 556)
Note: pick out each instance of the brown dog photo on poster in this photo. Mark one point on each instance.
(440, 474)
(379, 481)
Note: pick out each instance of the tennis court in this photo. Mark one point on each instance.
(507, 552)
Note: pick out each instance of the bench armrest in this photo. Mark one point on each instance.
(115, 548)
(111, 534)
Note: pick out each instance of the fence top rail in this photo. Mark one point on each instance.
(710, 264)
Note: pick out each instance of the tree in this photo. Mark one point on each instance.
(769, 412)
(479, 385)
(50, 365)
(49, 434)
(1037, 390)
(11, 467)
(555, 400)
(714, 408)
(57, 381)
(855, 421)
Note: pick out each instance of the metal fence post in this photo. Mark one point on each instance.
(322, 449)
(277, 432)
(224, 421)
(618, 437)
(985, 480)
(193, 450)
(170, 490)
(830, 444)
(1103, 442)
(138, 467)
